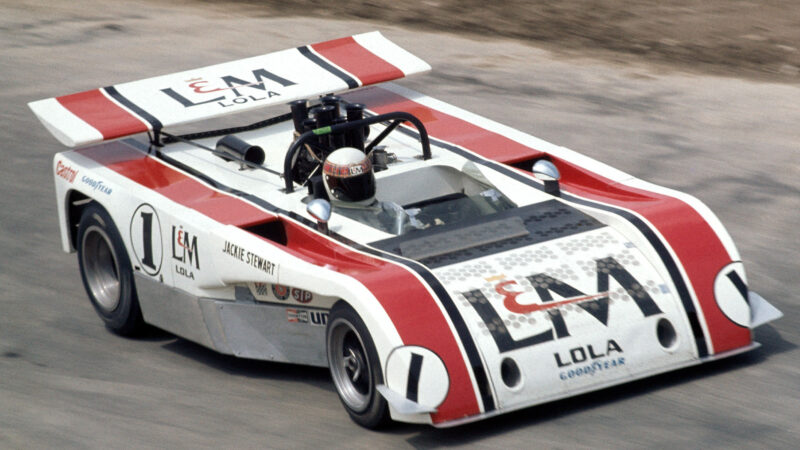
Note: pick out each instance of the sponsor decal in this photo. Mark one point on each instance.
(511, 303)
(587, 361)
(146, 239)
(591, 369)
(184, 251)
(346, 170)
(280, 291)
(228, 90)
(305, 316)
(183, 271)
(242, 254)
(296, 315)
(66, 172)
(96, 185)
(578, 355)
(597, 305)
(302, 296)
(260, 288)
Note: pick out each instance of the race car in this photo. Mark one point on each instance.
(446, 268)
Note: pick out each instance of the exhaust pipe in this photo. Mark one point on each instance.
(240, 149)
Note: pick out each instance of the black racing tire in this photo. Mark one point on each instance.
(355, 367)
(106, 272)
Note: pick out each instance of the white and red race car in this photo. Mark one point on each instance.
(492, 271)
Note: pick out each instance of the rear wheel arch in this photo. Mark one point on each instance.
(106, 271)
(74, 203)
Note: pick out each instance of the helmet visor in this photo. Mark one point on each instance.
(352, 189)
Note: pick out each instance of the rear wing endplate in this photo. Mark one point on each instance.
(276, 78)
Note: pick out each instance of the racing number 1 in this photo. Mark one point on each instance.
(147, 238)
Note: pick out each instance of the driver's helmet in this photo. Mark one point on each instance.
(347, 174)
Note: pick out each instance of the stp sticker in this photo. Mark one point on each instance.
(302, 296)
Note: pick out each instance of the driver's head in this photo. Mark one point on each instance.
(347, 174)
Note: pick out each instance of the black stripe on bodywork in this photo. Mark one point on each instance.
(414, 370)
(352, 83)
(647, 231)
(447, 302)
(739, 283)
(155, 124)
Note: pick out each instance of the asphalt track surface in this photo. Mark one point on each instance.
(66, 382)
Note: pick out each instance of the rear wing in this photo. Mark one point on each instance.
(276, 78)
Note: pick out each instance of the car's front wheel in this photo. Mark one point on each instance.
(106, 272)
(355, 367)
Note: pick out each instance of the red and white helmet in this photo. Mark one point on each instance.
(348, 178)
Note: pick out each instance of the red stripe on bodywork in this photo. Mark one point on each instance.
(175, 185)
(413, 311)
(357, 60)
(105, 116)
(696, 245)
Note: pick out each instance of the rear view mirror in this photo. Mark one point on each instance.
(320, 209)
(547, 172)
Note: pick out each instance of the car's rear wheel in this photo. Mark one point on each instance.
(355, 367)
(106, 272)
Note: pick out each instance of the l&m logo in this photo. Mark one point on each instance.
(229, 90)
(184, 251)
(597, 305)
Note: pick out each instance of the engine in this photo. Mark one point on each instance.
(332, 110)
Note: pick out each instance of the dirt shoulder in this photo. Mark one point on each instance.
(754, 39)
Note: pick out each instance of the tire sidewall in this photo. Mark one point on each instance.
(376, 414)
(125, 318)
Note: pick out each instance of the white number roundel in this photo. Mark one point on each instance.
(730, 291)
(146, 239)
(417, 374)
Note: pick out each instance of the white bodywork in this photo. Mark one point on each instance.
(222, 285)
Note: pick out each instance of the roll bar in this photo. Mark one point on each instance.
(398, 117)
